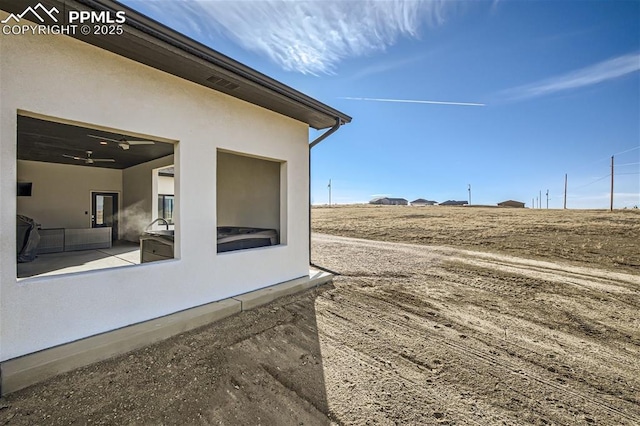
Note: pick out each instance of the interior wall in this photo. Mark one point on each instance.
(248, 191)
(61, 193)
(138, 199)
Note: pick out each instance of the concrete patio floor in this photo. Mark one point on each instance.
(122, 253)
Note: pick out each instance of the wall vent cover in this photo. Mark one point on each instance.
(221, 82)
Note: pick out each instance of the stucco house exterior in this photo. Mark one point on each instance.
(96, 121)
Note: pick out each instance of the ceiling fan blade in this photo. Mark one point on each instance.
(104, 160)
(73, 157)
(140, 142)
(104, 139)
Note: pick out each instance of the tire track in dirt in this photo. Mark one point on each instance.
(343, 336)
(529, 339)
(620, 278)
(444, 400)
(622, 289)
(619, 282)
(400, 327)
(558, 365)
(592, 282)
(561, 297)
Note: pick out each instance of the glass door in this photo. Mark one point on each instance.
(104, 212)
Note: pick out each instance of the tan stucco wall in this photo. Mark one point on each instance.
(56, 76)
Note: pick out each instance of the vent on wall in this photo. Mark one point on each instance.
(221, 82)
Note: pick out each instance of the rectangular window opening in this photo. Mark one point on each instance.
(86, 197)
(250, 202)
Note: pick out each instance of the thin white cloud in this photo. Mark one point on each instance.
(383, 67)
(311, 37)
(594, 74)
(494, 5)
(411, 101)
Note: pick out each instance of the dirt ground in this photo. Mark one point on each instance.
(598, 237)
(406, 334)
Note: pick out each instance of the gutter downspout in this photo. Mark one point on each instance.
(315, 142)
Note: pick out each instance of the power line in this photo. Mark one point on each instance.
(579, 166)
(604, 177)
(591, 183)
(628, 150)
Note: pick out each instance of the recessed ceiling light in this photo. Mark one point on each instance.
(103, 143)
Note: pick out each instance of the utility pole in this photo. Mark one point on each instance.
(565, 191)
(469, 194)
(611, 208)
(540, 199)
(329, 186)
(533, 205)
(547, 199)
(537, 205)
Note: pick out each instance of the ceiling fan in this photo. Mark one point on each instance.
(122, 143)
(89, 159)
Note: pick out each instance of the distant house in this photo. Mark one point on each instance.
(387, 201)
(511, 203)
(454, 203)
(423, 202)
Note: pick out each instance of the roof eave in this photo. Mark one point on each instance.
(152, 43)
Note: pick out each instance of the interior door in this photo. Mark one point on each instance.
(104, 211)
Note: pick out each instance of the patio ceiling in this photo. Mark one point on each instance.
(47, 141)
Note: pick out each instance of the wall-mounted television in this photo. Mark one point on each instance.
(24, 189)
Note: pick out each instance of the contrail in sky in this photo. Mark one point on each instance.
(410, 101)
(593, 74)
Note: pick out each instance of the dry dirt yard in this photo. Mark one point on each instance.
(583, 237)
(472, 330)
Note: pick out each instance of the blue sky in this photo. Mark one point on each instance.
(558, 85)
